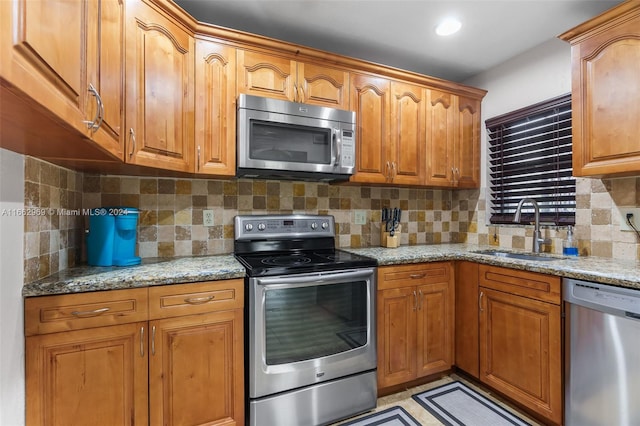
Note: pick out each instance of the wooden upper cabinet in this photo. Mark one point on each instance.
(215, 120)
(160, 104)
(453, 140)
(370, 99)
(105, 75)
(467, 147)
(605, 57)
(261, 74)
(441, 137)
(68, 57)
(43, 53)
(279, 77)
(407, 148)
(322, 85)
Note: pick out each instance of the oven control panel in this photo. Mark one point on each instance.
(275, 226)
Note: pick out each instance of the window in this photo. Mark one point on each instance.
(530, 157)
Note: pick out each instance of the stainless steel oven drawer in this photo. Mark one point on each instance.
(317, 405)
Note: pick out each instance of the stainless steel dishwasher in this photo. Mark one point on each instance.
(602, 374)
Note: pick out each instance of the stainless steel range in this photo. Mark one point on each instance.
(310, 322)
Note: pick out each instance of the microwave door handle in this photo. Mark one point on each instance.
(335, 158)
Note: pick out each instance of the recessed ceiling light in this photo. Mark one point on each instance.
(448, 26)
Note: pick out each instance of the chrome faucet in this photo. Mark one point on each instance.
(537, 235)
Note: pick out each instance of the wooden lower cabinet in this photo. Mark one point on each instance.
(90, 360)
(520, 338)
(467, 349)
(196, 369)
(89, 376)
(415, 322)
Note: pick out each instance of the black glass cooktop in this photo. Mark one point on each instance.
(263, 264)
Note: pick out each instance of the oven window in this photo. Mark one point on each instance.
(289, 143)
(312, 322)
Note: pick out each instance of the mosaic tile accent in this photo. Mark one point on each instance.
(598, 217)
(53, 222)
(171, 218)
(171, 225)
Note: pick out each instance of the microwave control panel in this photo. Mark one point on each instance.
(347, 154)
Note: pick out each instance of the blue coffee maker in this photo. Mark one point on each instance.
(112, 236)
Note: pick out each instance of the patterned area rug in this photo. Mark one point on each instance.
(455, 404)
(394, 416)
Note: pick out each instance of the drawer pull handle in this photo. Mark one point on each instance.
(94, 313)
(198, 300)
(417, 276)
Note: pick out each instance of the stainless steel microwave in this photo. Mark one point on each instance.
(289, 140)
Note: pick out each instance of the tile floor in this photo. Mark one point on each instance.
(404, 400)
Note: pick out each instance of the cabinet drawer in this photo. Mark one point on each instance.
(415, 274)
(545, 288)
(51, 314)
(186, 299)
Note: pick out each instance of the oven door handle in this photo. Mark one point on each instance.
(306, 280)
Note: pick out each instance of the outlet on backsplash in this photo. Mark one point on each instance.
(207, 217)
(360, 217)
(634, 218)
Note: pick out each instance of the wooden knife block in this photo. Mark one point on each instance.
(387, 240)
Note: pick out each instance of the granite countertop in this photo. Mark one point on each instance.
(150, 272)
(210, 268)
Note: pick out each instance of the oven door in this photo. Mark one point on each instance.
(281, 142)
(310, 328)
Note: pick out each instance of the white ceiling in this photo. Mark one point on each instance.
(400, 33)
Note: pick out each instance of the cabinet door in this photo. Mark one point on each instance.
(435, 327)
(159, 90)
(520, 352)
(215, 108)
(466, 312)
(396, 336)
(605, 89)
(467, 152)
(321, 85)
(86, 376)
(196, 367)
(105, 73)
(43, 48)
(441, 137)
(370, 101)
(261, 74)
(407, 147)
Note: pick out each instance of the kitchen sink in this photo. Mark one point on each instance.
(520, 256)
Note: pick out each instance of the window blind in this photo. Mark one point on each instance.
(530, 157)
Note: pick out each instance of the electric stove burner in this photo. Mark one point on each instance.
(329, 256)
(272, 245)
(289, 260)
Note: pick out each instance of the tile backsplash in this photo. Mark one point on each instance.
(171, 211)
